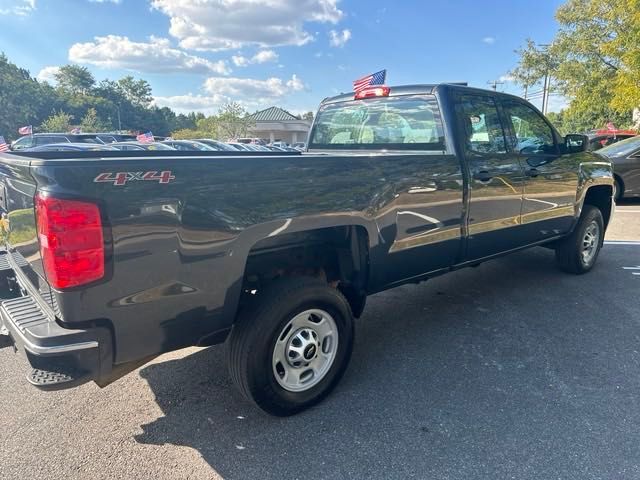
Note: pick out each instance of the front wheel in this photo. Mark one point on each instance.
(290, 349)
(579, 251)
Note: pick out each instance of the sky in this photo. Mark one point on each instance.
(199, 54)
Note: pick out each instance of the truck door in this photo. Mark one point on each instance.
(551, 178)
(496, 178)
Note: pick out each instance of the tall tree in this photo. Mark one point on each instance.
(234, 121)
(138, 92)
(597, 50)
(92, 123)
(75, 79)
(59, 122)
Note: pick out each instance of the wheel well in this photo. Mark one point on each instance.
(337, 255)
(600, 197)
(620, 181)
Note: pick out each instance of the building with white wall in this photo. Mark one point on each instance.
(275, 124)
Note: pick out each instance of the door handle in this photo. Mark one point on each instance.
(532, 172)
(482, 176)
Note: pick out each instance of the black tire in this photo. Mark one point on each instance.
(618, 191)
(253, 339)
(569, 252)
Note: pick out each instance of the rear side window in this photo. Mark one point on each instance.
(481, 125)
(399, 123)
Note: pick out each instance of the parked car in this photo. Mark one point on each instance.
(255, 141)
(118, 261)
(602, 138)
(133, 146)
(188, 145)
(216, 145)
(299, 146)
(240, 146)
(71, 147)
(625, 156)
(279, 144)
(39, 139)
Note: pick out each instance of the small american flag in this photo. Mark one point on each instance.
(76, 131)
(28, 130)
(377, 78)
(610, 126)
(3, 145)
(145, 137)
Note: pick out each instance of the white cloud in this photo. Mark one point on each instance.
(251, 93)
(105, 1)
(155, 56)
(19, 8)
(233, 24)
(489, 40)
(339, 39)
(192, 103)
(250, 88)
(265, 56)
(507, 78)
(47, 74)
(262, 56)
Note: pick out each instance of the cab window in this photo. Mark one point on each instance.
(530, 133)
(481, 125)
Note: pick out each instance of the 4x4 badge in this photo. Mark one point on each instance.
(121, 178)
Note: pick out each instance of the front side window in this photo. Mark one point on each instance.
(530, 132)
(409, 122)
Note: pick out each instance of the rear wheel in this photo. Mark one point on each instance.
(290, 349)
(579, 251)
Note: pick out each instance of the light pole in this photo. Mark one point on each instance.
(119, 124)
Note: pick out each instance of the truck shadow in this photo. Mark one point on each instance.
(459, 376)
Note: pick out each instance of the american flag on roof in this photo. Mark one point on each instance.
(145, 137)
(3, 145)
(28, 130)
(377, 78)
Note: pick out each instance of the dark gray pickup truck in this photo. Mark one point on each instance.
(115, 257)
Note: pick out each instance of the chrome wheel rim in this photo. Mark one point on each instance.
(305, 349)
(590, 242)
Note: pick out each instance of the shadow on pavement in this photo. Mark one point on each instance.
(492, 372)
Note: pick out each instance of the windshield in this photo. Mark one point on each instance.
(623, 147)
(399, 123)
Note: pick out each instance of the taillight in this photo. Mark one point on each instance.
(71, 241)
(373, 92)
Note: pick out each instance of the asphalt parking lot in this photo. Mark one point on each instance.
(509, 370)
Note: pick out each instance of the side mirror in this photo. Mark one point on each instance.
(575, 143)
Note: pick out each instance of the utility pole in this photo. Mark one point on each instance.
(546, 88)
(494, 84)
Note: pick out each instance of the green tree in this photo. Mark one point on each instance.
(23, 100)
(92, 123)
(59, 122)
(75, 79)
(138, 92)
(233, 121)
(596, 55)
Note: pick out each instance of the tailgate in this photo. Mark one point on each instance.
(18, 226)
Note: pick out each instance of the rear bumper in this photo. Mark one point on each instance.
(60, 357)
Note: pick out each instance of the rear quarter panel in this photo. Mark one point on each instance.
(178, 250)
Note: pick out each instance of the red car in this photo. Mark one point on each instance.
(604, 137)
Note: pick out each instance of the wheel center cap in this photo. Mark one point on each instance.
(309, 352)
